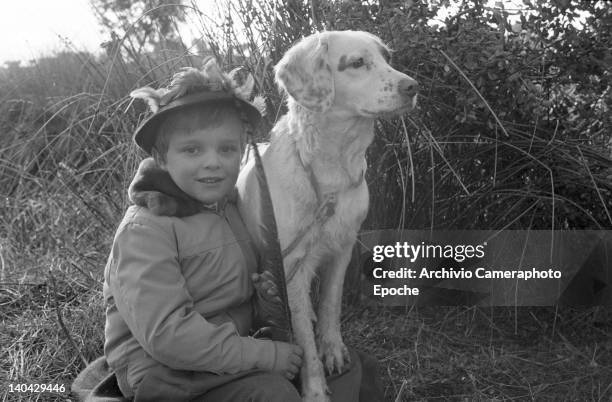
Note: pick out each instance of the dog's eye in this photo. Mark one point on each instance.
(358, 63)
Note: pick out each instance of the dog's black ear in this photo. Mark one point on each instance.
(306, 74)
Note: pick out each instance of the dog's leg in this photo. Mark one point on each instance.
(314, 386)
(332, 350)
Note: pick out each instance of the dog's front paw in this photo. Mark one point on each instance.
(333, 354)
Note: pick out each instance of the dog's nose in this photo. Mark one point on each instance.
(408, 87)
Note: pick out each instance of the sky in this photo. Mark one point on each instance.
(32, 28)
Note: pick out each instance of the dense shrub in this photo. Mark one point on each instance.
(513, 129)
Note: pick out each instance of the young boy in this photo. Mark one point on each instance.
(178, 283)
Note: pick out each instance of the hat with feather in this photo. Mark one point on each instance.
(191, 86)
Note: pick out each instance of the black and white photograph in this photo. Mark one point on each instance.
(305, 200)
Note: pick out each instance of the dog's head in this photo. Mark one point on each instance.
(347, 71)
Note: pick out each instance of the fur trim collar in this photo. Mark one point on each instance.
(154, 189)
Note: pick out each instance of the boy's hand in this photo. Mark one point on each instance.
(265, 287)
(288, 359)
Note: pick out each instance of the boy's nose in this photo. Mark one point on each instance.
(211, 160)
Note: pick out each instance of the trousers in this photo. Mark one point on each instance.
(359, 382)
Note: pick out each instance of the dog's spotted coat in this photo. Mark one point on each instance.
(337, 83)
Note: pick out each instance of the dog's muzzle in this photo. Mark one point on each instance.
(408, 88)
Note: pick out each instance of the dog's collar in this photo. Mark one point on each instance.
(321, 198)
(327, 201)
(325, 210)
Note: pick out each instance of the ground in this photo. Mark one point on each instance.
(458, 353)
(425, 354)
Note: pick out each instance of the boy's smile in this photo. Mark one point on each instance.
(204, 163)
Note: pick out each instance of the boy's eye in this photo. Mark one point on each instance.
(358, 63)
(229, 148)
(191, 150)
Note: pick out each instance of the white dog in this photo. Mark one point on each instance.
(337, 83)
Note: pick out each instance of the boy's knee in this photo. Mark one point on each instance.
(274, 388)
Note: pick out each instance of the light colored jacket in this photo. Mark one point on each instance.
(178, 292)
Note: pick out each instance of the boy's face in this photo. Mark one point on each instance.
(205, 163)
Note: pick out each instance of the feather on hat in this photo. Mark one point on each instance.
(191, 86)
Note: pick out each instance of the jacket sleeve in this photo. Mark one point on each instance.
(151, 295)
